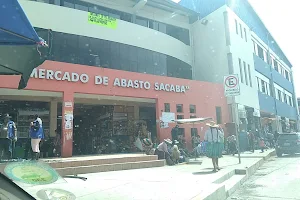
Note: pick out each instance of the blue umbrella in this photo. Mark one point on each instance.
(20, 45)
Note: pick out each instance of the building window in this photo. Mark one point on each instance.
(263, 87)
(279, 95)
(260, 52)
(192, 109)
(246, 74)
(250, 78)
(254, 47)
(286, 74)
(219, 115)
(167, 107)
(180, 117)
(236, 27)
(245, 31)
(241, 70)
(241, 30)
(290, 101)
(285, 98)
(179, 108)
(276, 66)
(193, 116)
(181, 131)
(194, 132)
(258, 83)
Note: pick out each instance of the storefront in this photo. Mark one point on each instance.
(82, 101)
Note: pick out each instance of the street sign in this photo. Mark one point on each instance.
(231, 85)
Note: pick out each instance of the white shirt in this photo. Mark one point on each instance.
(214, 135)
(40, 121)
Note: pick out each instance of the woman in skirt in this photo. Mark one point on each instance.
(214, 148)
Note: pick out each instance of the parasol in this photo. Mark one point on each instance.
(20, 46)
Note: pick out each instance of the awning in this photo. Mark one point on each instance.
(20, 46)
(192, 120)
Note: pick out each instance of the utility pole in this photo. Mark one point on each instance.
(232, 89)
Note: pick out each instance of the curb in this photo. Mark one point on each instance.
(221, 192)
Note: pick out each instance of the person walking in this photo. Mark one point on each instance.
(175, 133)
(251, 140)
(36, 134)
(11, 135)
(214, 146)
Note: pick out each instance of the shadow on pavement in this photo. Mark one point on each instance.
(203, 172)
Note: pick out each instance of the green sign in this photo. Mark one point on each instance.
(33, 173)
(102, 20)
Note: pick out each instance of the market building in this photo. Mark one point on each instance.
(234, 40)
(110, 66)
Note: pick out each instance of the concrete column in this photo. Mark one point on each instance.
(67, 124)
(53, 117)
(136, 112)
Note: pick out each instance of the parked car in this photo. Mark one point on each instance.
(288, 143)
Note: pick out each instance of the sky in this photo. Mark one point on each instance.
(281, 17)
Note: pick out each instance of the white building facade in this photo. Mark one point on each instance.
(230, 38)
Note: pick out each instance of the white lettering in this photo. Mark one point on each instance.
(34, 73)
(177, 88)
(141, 84)
(66, 76)
(57, 75)
(162, 87)
(123, 82)
(167, 87)
(105, 80)
(182, 89)
(136, 84)
(98, 80)
(117, 82)
(84, 78)
(75, 77)
(172, 88)
(130, 83)
(156, 86)
(147, 85)
(49, 74)
(42, 73)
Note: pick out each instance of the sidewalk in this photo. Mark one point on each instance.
(184, 182)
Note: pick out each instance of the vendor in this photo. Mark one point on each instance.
(162, 149)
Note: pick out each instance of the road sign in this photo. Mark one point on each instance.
(231, 85)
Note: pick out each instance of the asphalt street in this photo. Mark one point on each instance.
(278, 178)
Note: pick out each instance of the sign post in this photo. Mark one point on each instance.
(232, 89)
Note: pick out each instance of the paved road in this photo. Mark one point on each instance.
(277, 179)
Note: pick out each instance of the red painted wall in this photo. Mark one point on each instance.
(206, 96)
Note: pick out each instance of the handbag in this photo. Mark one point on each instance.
(138, 143)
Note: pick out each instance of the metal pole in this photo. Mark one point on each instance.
(235, 114)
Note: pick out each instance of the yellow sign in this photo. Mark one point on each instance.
(102, 20)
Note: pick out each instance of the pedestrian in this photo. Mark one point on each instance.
(36, 134)
(11, 135)
(162, 149)
(175, 133)
(214, 146)
(251, 140)
(262, 144)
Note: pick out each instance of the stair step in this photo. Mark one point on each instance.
(233, 183)
(109, 167)
(99, 161)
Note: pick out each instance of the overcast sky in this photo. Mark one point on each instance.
(281, 17)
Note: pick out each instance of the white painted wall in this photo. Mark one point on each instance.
(210, 49)
(73, 21)
(243, 49)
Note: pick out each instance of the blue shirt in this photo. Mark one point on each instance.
(11, 130)
(37, 133)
